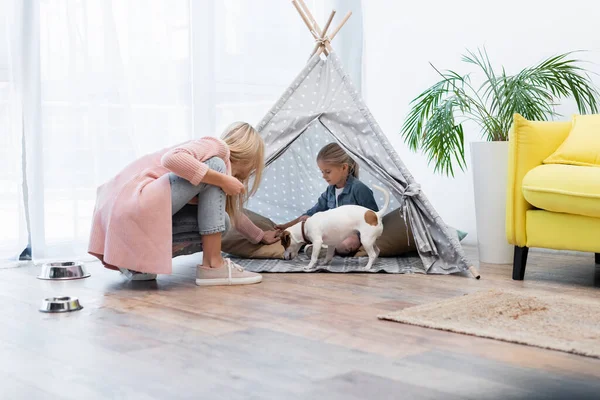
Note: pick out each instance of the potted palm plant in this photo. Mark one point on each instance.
(434, 125)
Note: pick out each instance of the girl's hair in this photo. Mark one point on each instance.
(334, 154)
(247, 153)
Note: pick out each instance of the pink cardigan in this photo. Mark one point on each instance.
(131, 226)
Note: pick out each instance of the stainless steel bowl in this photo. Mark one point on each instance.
(60, 304)
(63, 271)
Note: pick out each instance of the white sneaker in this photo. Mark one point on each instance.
(228, 274)
(137, 276)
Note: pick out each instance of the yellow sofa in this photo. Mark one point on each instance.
(553, 206)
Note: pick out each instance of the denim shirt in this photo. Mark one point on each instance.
(355, 192)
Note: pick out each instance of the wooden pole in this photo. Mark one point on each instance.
(327, 24)
(308, 25)
(315, 25)
(310, 16)
(475, 272)
(340, 25)
(323, 33)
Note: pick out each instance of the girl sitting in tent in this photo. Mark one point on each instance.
(340, 171)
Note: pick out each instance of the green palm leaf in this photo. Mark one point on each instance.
(534, 92)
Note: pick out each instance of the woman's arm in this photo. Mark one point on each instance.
(229, 184)
(253, 233)
(215, 178)
(187, 159)
(184, 161)
(247, 228)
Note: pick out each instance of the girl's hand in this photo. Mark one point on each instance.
(292, 223)
(231, 186)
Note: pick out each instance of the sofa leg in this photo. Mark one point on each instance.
(597, 258)
(519, 263)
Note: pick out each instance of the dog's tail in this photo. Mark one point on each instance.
(386, 195)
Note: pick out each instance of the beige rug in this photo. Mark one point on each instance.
(546, 320)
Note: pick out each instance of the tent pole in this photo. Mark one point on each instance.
(327, 24)
(309, 15)
(340, 25)
(475, 272)
(319, 44)
(305, 20)
(314, 23)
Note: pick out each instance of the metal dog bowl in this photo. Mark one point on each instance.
(63, 271)
(60, 304)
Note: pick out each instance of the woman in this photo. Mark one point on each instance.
(132, 223)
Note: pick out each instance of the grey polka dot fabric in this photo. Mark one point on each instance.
(322, 106)
(292, 183)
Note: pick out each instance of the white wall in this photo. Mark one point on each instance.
(401, 38)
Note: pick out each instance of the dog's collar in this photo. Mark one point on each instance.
(304, 234)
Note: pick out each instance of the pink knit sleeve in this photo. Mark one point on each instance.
(250, 231)
(186, 160)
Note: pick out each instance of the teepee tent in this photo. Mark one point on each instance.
(322, 106)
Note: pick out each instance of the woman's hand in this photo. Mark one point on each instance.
(271, 237)
(231, 186)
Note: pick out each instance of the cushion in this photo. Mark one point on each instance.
(395, 240)
(582, 146)
(564, 188)
(236, 244)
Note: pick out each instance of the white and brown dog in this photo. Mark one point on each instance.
(331, 227)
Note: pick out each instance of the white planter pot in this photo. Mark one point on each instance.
(489, 163)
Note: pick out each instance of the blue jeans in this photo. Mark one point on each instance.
(210, 215)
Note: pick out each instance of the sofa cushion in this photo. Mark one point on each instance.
(564, 188)
(582, 146)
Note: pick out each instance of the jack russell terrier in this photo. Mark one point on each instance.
(331, 227)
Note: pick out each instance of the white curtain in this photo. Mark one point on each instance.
(13, 227)
(115, 79)
(108, 81)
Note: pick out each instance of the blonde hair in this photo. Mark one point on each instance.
(335, 155)
(247, 150)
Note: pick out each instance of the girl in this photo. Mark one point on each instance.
(132, 222)
(340, 171)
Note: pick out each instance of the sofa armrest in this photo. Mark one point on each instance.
(530, 143)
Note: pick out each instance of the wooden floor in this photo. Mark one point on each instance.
(294, 336)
